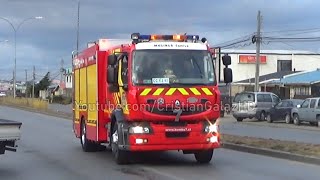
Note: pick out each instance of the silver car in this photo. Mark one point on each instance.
(253, 105)
(308, 111)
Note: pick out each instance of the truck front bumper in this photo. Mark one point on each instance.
(158, 142)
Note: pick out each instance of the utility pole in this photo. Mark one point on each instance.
(61, 70)
(13, 83)
(78, 26)
(258, 43)
(26, 84)
(34, 79)
(61, 74)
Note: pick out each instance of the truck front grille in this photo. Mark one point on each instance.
(170, 111)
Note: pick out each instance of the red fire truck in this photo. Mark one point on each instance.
(148, 93)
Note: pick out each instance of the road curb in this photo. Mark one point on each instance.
(272, 153)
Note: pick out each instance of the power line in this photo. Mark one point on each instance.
(293, 30)
(234, 41)
(291, 39)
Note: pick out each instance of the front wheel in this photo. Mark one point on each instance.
(204, 157)
(120, 156)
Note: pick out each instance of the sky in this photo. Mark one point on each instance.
(44, 43)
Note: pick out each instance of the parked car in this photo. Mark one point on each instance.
(308, 111)
(253, 105)
(282, 110)
(2, 94)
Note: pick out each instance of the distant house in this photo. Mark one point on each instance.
(303, 84)
(267, 83)
(286, 84)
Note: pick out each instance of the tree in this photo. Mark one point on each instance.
(42, 85)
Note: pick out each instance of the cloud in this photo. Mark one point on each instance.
(43, 43)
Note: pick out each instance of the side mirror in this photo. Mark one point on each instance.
(298, 106)
(227, 75)
(111, 75)
(112, 59)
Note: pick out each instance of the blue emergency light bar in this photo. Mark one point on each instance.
(138, 37)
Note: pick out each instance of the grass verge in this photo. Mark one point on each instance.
(304, 149)
(25, 102)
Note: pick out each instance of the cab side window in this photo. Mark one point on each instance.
(318, 104)
(124, 70)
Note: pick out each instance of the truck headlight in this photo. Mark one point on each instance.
(139, 130)
(211, 128)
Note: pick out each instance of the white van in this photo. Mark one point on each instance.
(253, 105)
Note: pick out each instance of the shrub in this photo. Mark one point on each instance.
(61, 99)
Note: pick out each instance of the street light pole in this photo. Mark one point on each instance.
(78, 24)
(15, 29)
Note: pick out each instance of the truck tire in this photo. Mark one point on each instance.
(204, 157)
(121, 157)
(87, 145)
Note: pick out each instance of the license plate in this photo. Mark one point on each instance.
(182, 129)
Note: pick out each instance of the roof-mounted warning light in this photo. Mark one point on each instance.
(137, 37)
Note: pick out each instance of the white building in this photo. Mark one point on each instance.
(243, 62)
(68, 77)
(68, 82)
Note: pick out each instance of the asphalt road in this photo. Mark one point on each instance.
(49, 150)
(252, 128)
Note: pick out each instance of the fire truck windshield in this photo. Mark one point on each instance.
(161, 67)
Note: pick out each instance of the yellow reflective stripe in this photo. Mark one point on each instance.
(145, 92)
(183, 91)
(171, 91)
(206, 91)
(195, 91)
(158, 91)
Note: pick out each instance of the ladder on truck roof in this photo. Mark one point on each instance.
(105, 44)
